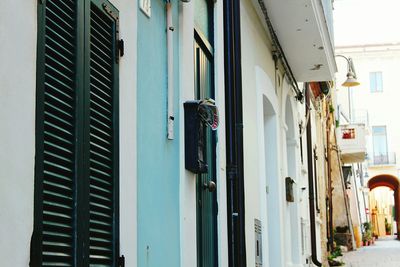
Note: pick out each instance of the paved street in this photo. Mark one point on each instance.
(384, 253)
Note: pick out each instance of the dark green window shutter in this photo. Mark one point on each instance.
(55, 151)
(76, 169)
(103, 142)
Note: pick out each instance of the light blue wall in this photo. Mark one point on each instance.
(157, 157)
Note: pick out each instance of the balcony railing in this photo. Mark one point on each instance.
(361, 116)
(383, 159)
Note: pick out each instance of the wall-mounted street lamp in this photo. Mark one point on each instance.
(351, 73)
(351, 81)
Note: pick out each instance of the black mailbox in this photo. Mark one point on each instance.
(289, 189)
(198, 115)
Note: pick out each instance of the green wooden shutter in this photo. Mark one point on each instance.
(56, 133)
(76, 170)
(103, 136)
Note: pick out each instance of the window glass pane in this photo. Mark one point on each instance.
(379, 83)
(201, 17)
(372, 81)
(379, 130)
(379, 145)
(379, 140)
(376, 81)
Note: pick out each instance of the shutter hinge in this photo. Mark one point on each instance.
(110, 12)
(121, 261)
(119, 43)
(121, 47)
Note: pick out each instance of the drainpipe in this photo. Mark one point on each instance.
(362, 192)
(356, 189)
(170, 67)
(329, 163)
(234, 135)
(311, 183)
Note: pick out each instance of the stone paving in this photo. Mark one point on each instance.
(384, 253)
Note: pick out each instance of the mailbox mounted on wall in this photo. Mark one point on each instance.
(199, 114)
(289, 189)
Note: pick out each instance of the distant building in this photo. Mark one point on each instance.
(374, 103)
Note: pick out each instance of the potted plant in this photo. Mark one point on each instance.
(367, 238)
(333, 257)
(388, 227)
(367, 234)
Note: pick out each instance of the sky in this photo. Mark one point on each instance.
(363, 22)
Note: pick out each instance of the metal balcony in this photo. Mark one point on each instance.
(383, 159)
(352, 143)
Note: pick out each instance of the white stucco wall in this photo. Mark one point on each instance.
(18, 34)
(17, 135)
(264, 97)
(128, 155)
(188, 180)
(221, 145)
(292, 164)
(318, 114)
(257, 74)
(303, 198)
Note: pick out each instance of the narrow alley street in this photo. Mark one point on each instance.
(384, 253)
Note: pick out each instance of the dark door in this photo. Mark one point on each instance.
(207, 245)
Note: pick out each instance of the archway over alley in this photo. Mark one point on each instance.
(393, 183)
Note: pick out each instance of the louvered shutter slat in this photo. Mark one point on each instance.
(96, 58)
(97, 82)
(58, 35)
(99, 37)
(59, 134)
(58, 94)
(101, 73)
(102, 127)
(101, 107)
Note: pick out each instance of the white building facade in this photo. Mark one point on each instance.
(274, 70)
(374, 104)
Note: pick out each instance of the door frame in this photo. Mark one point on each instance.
(200, 42)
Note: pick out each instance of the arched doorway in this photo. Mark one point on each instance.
(393, 183)
(274, 225)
